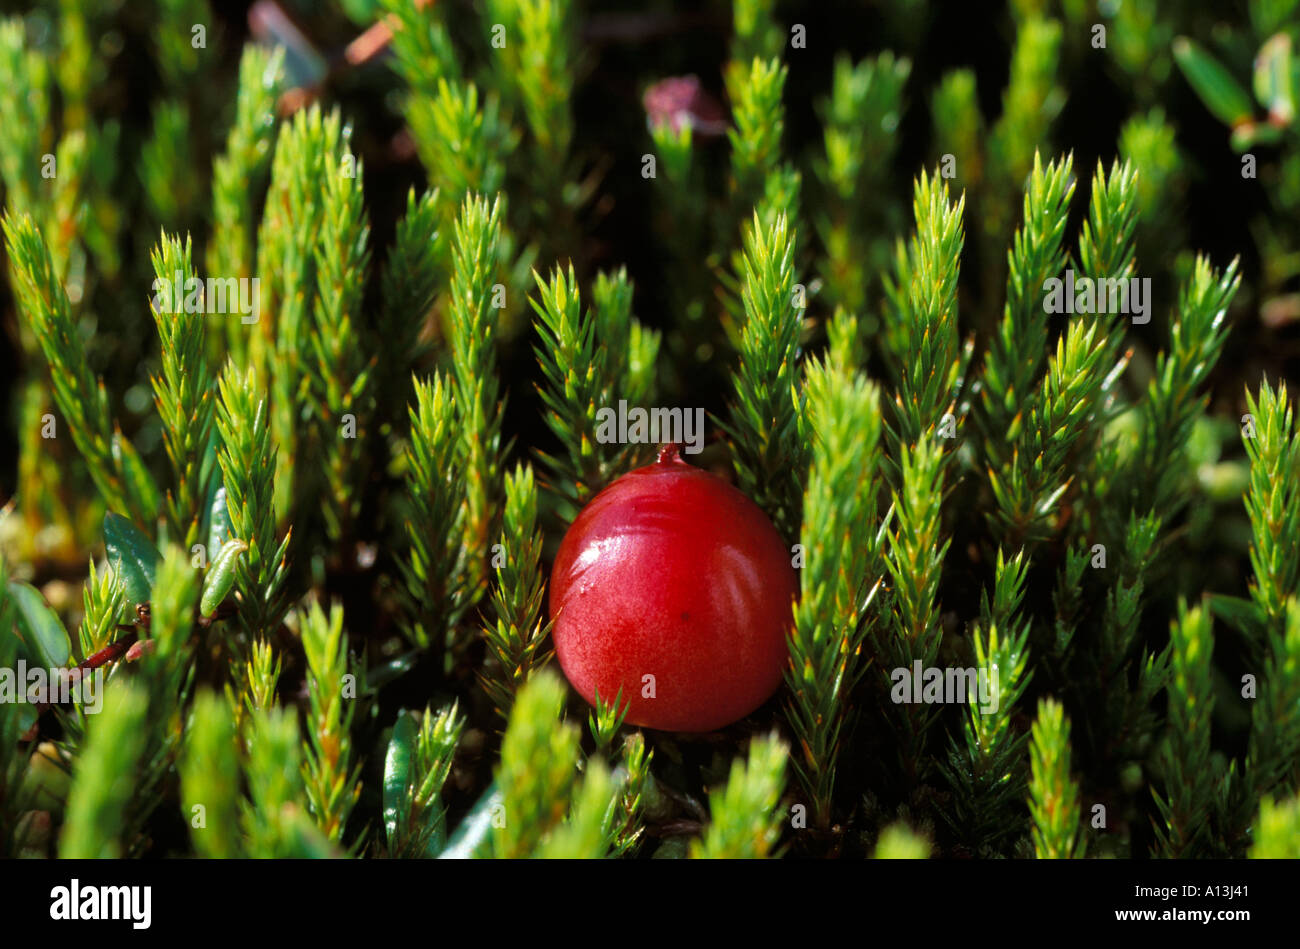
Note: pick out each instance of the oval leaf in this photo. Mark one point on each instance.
(133, 557)
(221, 576)
(40, 626)
(471, 836)
(397, 777)
(1221, 93)
(219, 529)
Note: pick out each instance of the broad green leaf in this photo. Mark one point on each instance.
(221, 575)
(219, 529)
(1273, 79)
(132, 556)
(39, 625)
(1221, 93)
(471, 836)
(397, 776)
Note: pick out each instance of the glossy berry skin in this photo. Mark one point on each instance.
(671, 572)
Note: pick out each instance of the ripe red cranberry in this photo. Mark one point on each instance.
(671, 572)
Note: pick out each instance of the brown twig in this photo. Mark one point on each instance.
(129, 646)
(365, 47)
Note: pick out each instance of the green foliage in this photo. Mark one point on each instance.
(38, 626)
(1030, 102)
(537, 770)
(240, 171)
(1016, 350)
(605, 720)
(1053, 793)
(340, 390)
(422, 49)
(897, 842)
(1275, 734)
(842, 549)
(1272, 500)
(77, 391)
(591, 361)
(1148, 143)
(409, 286)
(764, 419)
(1278, 836)
(415, 770)
(987, 769)
(434, 566)
(537, 68)
(625, 819)
(861, 118)
(104, 778)
(1185, 758)
(248, 467)
(760, 122)
(756, 32)
(210, 778)
(329, 773)
(1215, 85)
(275, 822)
(104, 601)
(515, 639)
(744, 822)
(924, 298)
(253, 685)
(307, 208)
(349, 441)
(476, 259)
(1197, 336)
(25, 108)
(1106, 238)
(1063, 416)
(914, 560)
(538, 778)
(461, 142)
(183, 393)
(164, 160)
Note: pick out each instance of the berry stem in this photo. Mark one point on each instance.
(669, 453)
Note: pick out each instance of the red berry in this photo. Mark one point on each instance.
(671, 572)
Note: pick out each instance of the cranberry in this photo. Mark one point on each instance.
(674, 587)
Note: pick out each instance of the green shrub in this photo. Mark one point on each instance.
(318, 523)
